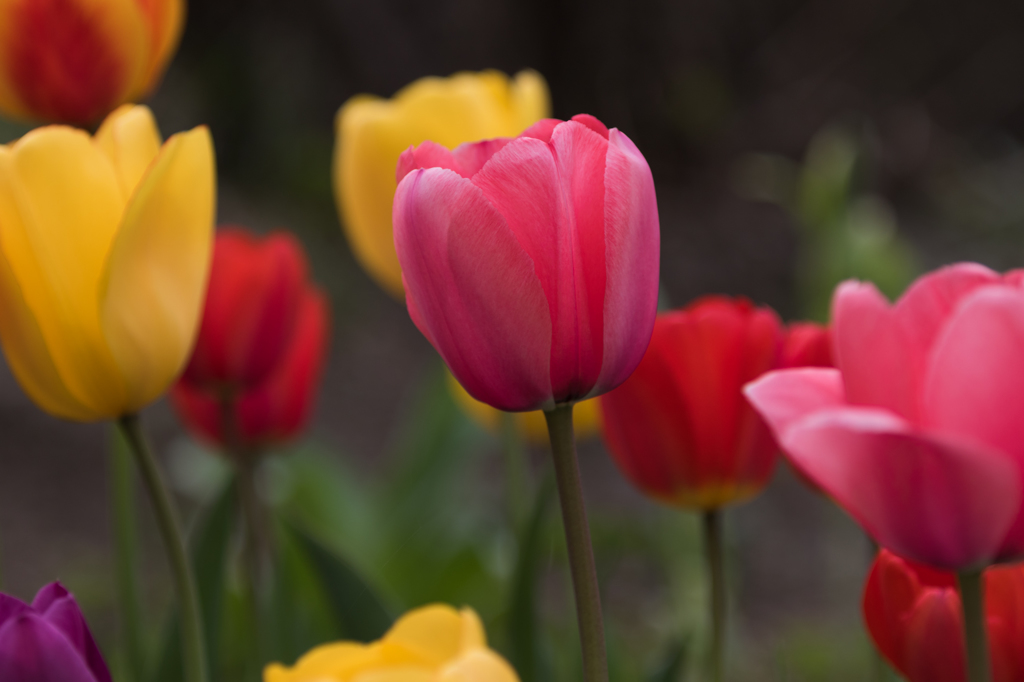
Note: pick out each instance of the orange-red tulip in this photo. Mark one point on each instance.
(74, 61)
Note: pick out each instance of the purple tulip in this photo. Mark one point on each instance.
(48, 641)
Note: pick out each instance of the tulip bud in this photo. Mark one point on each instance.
(48, 640)
(261, 346)
(77, 60)
(807, 345)
(914, 616)
(373, 132)
(104, 253)
(679, 427)
(430, 644)
(531, 264)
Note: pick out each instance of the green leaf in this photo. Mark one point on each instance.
(208, 550)
(524, 630)
(669, 667)
(358, 610)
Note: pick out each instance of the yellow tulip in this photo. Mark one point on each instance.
(373, 132)
(74, 61)
(430, 644)
(586, 417)
(105, 245)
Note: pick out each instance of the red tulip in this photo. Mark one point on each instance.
(914, 616)
(679, 427)
(807, 345)
(531, 264)
(261, 344)
(919, 433)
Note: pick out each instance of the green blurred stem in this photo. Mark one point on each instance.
(192, 643)
(125, 535)
(577, 537)
(514, 455)
(972, 594)
(716, 573)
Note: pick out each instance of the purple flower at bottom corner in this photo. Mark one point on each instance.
(48, 640)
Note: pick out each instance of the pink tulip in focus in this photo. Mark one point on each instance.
(531, 264)
(919, 432)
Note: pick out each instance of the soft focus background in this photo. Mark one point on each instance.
(793, 143)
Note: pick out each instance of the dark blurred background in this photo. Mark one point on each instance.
(914, 110)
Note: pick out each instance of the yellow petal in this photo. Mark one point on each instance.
(372, 133)
(130, 139)
(60, 206)
(433, 633)
(28, 356)
(156, 275)
(478, 666)
(400, 674)
(473, 635)
(586, 417)
(110, 50)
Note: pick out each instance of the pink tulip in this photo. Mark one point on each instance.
(919, 433)
(531, 264)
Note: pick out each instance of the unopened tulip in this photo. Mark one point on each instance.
(530, 425)
(531, 264)
(48, 640)
(430, 644)
(104, 252)
(919, 433)
(373, 132)
(74, 61)
(914, 616)
(807, 344)
(679, 427)
(260, 350)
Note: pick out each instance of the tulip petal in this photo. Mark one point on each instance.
(889, 596)
(60, 610)
(130, 139)
(940, 501)
(478, 298)
(156, 274)
(433, 633)
(934, 639)
(32, 650)
(784, 397)
(632, 245)
(975, 376)
(1004, 606)
(165, 20)
(880, 365)
(60, 205)
(478, 666)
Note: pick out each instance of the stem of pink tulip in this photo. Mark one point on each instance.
(192, 643)
(972, 596)
(716, 574)
(577, 538)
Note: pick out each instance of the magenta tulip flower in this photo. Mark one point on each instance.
(47, 641)
(531, 264)
(919, 433)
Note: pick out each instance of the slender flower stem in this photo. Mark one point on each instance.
(125, 535)
(577, 537)
(192, 643)
(972, 595)
(716, 572)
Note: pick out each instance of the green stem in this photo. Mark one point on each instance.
(972, 595)
(577, 538)
(192, 643)
(125, 535)
(716, 573)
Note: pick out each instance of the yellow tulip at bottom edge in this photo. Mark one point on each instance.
(431, 644)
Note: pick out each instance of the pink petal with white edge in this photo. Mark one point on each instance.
(942, 501)
(880, 366)
(632, 245)
(784, 397)
(975, 379)
(473, 290)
